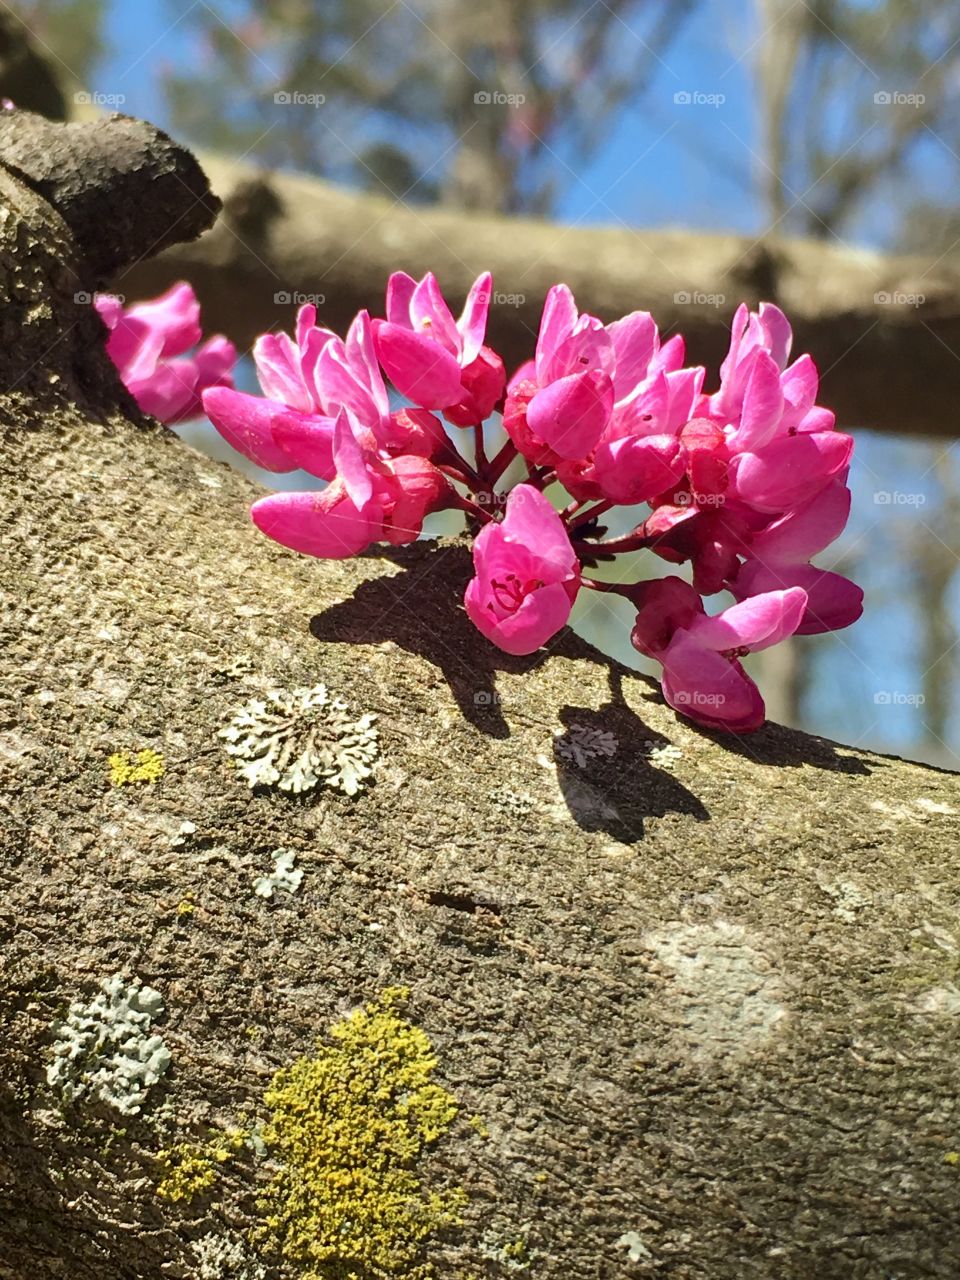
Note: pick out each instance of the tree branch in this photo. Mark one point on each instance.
(701, 1003)
(893, 366)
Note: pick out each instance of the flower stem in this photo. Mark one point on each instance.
(482, 465)
(596, 510)
(499, 464)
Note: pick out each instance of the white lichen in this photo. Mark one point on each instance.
(299, 738)
(225, 1258)
(183, 834)
(518, 804)
(106, 1050)
(637, 1251)
(661, 755)
(849, 899)
(583, 743)
(283, 876)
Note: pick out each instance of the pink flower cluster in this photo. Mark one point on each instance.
(745, 483)
(148, 343)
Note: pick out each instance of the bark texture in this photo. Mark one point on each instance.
(885, 331)
(706, 999)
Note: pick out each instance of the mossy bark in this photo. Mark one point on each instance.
(711, 1000)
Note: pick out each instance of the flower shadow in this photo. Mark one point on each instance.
(614, 770)
(421, 610)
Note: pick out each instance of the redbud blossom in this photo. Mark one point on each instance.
(148, 343)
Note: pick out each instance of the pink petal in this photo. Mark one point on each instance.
(557, 321)
(362, 358)
(791, 470)
(337, 384)
(683, 387)
(417, 366)
(755, 623)
(540, 616)
(644, 412)
(306, 320)
(109, 308)
(587, 349)
(833, 601)
(709, 688)
(170, 392)
(400, 289)
(278, 368)
(245, 423)
(817, 419)
(762, 404)
(324, 524)
(571, 414)
(175, 316)
(635, 340)
(800, 384)
(134, 347)
(473, 318)
(670, 356)
(307, 440)
(778, 335)
(532, 521)
(799, 536)
(638, 468)
(738, 329)
(429, 314)
(215, 361)
(351, 459)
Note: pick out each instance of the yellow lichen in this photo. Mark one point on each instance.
(146, 766)
(515, 1250)
(189, 1168)
(349, 1125)
(952, 1157)
(476, 1122)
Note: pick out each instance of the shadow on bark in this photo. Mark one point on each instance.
(607, 777)
(421, 610)
(780, 748)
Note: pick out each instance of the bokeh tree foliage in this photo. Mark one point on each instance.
(478, 105)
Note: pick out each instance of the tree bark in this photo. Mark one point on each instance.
(703, 1002)
(884, 330)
